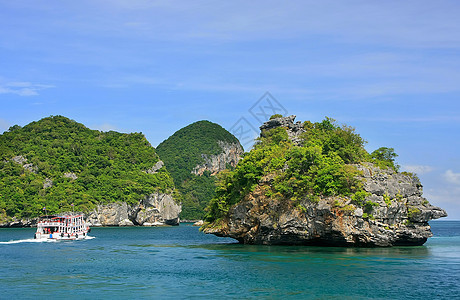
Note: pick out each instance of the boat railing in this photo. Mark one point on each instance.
(51, 223)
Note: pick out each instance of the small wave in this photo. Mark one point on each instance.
(45, 240)
(26, 241)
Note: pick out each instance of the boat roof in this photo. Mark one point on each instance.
(60, 216)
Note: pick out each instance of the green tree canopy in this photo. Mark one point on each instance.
(109, 167)
(182, 152)
(385, 157)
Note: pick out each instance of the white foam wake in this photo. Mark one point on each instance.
(45, 240)
(26, 241)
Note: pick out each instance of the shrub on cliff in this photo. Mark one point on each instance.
(385, 157)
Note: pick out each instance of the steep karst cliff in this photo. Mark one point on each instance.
(229, 157)
(156, 209)
(194, 155)
(301, 186)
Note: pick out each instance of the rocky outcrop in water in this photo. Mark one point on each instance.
(112, 214)
(18, 223)
(156, 209)
(391, 210)
(230, 155)
(398, 215)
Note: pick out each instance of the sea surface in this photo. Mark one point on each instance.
(183, 263)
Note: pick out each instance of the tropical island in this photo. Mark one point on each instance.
(302, 183)
(58, 165)
(194, 155)
(315, 184)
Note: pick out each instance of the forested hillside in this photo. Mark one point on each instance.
(186, 149)
(62, 165)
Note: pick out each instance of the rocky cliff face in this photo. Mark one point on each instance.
(390, 211)
(399, 216)
(156, 209)
(294, 130)
(230, 155)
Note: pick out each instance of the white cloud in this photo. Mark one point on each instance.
(448, 199)
(23, 88)
(106, 127)
(419, 169)
(452, 177)
(4, 125)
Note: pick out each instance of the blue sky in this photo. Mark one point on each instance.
(391, 69)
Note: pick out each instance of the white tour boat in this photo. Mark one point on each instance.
(66, 227)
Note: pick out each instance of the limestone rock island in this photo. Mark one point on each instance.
(315, 184)
(195, 155)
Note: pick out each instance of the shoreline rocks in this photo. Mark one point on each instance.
(199, 223)
(157, 209)
(154, 210)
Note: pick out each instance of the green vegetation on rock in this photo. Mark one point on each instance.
(320, 166)
(275, 116)
(182, 152)
(81, 166)
(385, 158)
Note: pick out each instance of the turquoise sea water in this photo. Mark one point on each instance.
(182, 263)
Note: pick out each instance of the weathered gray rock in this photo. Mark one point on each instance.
(230, 155)
(199, 223)
(30, 168)
(112, 214)
(156, 209)
(70, 175)
(47, 183)
(294, 130)
(155, 168)
(401, 217)
(14, 222)
(19, 159)
(393, 213)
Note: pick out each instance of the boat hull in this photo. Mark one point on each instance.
(60, 236)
